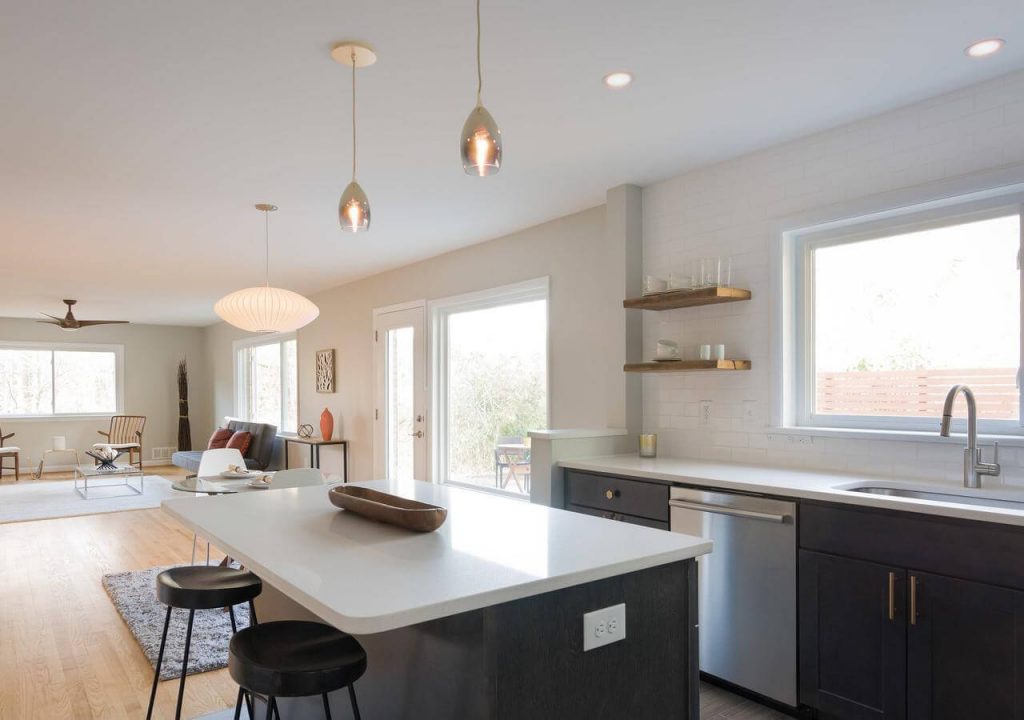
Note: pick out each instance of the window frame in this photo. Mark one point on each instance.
(52, 347)
(241, 404)
(438, 312)
(798, 381)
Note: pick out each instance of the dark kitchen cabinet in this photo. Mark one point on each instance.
(628, 500)
(853, 640)
(965, 650)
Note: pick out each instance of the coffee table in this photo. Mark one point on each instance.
(88, 476)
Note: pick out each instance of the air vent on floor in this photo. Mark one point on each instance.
(163, 453)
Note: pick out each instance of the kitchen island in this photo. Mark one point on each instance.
(482, 618)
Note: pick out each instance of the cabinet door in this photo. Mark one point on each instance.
(965, 645)
(853, 637)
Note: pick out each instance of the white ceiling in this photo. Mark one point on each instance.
(135, 136)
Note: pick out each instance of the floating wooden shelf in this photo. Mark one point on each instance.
(687, 298)
(687, 366)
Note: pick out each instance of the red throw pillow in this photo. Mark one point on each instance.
(219, 438)
(241, 441)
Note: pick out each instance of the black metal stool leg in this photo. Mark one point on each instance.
(159, 662)
(270, 708)
(252, 613)
(234, 627)
(238, 704)
(327, 707)
(184, 665)
(249, 705)
(355, 705)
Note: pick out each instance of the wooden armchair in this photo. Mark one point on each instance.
(125, 433)
(9, 452)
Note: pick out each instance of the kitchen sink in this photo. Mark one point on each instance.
(957, 498)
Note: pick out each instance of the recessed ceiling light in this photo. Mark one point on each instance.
(983, 48)
(618, 79)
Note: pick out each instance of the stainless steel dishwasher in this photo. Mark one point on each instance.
(747, 587)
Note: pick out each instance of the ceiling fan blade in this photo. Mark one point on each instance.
(53, 317)
(86, 323)
(55, 321)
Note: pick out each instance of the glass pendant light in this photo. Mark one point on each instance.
(354, 207)
(266, 309)
(481, 139)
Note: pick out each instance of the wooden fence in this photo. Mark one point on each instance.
(915, 393)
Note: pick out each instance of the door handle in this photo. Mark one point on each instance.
(722, 510)
(417, 434)
(913, 600)
(892, 596)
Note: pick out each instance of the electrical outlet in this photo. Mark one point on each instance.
(704, 415)
(604, 626)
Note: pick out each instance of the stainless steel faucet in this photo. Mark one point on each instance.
(974, 468)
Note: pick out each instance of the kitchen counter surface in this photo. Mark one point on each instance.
(806, 484)
(365, 577)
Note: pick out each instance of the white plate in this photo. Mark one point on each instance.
(236, 475)
(257, 485)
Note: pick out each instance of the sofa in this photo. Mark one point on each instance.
(258, 457)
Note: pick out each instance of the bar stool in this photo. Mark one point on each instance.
(200, 587)
(294, 658)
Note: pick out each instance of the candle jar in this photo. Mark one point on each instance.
(648, 445)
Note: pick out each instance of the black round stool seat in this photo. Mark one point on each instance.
(294, 658)
(198, 587)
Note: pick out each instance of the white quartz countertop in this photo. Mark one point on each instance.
(807, 484)
(366, 577)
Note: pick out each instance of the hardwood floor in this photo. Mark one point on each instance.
(66, 653)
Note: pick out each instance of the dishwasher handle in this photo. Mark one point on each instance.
(735, 512)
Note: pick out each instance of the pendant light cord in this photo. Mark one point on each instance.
(353, 114)
(266, 246)
(479, 72)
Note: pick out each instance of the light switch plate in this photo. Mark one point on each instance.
(604, 626)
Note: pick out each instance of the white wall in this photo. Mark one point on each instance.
(587, 346)
(734, 208)
(151, 355)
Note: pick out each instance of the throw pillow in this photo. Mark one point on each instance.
(219, 439)
(241, 441)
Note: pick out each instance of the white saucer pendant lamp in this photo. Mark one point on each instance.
(354, 207)
(266, 309)
(480, 143)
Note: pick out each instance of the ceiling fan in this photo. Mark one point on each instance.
(70, 322)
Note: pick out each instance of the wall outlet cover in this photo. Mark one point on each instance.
(704, 416)
(604, 626)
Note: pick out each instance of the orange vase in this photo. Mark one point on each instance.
(326, 424)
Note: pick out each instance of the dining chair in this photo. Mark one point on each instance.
(297, 477)
(214, 462)
(9, 452)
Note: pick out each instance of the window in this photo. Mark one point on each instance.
(890, 314)
(266, 381)
(491, 360)
(44, 380)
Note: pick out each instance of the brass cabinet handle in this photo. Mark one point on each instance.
(610, 494)
(892, 596)
(913, 600)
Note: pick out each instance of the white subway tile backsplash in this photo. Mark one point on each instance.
(730, 209)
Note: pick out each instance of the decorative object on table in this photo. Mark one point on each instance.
(704, 352)
(266, 309)
(10, 452)
(654, 285)
(261, 483)
(305, 431)
(387, 508)
(667, 350)
(720, 351)
(70, 322)
(648, 445)
(326, 424)
(125, 433)
(105, 457)
(325, 371)
(184, 427)
(354, 207)
(236, 471)
(480, 142)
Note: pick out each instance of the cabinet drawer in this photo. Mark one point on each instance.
(617, 494)
(609, 515)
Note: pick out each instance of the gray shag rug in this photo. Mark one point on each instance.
(134, 595)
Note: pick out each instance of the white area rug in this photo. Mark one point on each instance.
(34, 500)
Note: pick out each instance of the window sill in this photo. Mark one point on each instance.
(894, 435)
